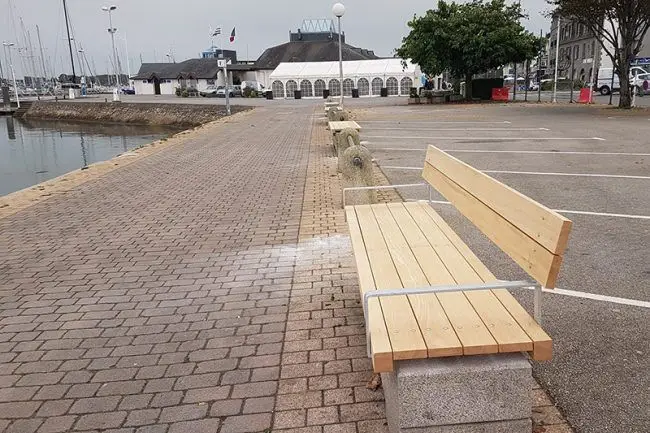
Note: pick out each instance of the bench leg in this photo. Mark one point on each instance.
(470, 394)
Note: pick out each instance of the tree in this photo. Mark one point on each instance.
(620, 26)
(467, 39)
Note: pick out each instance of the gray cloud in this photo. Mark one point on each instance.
(156, 27)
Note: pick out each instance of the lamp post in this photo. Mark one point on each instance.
(112, 31)
(338, 11)
(8, 45)
(557, 57)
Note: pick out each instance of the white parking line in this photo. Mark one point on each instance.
(371, 128)
(597, 297)
(393, 137)
(439, 122)
(561, 152)
(534, 173)
(576, 212)
(612, 215)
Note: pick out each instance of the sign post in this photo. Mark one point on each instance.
(223, 63)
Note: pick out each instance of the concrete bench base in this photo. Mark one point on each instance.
(468, 394)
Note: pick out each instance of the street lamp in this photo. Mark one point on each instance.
(339, 10)
(8, 45)
(112, 31)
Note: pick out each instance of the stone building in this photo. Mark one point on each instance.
(580, 51)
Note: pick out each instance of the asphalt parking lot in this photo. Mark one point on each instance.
(593, 165)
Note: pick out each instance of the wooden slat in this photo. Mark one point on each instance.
(468, 325)
(538, 262)
(545, 226)
(542, 343)
(438, 333)
(382, 352)
(405, 337)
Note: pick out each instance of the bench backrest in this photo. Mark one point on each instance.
(534, 236)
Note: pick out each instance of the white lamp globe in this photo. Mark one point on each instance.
(338, 10)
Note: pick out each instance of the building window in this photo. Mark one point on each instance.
(406, 85)
(305, 88)
(576, 51)
(292, 86)
(335, 87)
(210, 82)
(146, 81)
(319, 86)
(348, 85)
(363, 86)
(377, 84)
(593, 49)
(392, 85)
(278, 89)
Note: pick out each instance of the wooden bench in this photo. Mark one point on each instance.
(427, 295)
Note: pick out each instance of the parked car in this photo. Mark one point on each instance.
(232, 91)
(211, 91)
(128, 91)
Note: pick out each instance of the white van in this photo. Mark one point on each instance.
(637, 76)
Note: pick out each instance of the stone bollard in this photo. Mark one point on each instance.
(356, 167)
(333, 114)
(344, 139)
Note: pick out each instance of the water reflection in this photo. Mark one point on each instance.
(11, 128)
(34, 151)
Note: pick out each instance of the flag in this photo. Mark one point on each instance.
(217, 32)
(232, 35)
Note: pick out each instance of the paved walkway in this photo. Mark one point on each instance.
(156, 298)
(208, 287)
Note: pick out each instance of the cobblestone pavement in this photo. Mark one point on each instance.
(208, 287)
(155, 298)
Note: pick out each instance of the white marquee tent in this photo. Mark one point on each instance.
(368, 76)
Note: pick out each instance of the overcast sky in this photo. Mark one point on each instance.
(157, 27)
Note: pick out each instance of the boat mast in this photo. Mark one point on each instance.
(40, 44)
(67, 26)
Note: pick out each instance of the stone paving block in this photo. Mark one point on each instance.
(246, 423)
(100, 421)
(57, 424)
(19, 409)
(223, 408)
(208, 425)
(290, 418)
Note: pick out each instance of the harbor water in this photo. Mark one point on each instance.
(35, 151)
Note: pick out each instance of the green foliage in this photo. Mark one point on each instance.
(413, 92)
(185, 93)
(469, 38)
(178, 91)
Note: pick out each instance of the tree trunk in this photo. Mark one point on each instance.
(468, 86)
(625, 59)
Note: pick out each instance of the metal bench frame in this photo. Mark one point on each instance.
(537, 299)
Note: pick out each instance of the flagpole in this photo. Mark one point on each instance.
(225, 76)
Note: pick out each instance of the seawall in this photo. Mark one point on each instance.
(131, 113)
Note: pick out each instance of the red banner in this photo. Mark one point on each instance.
(501, 94)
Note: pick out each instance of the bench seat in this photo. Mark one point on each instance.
(408, 245)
